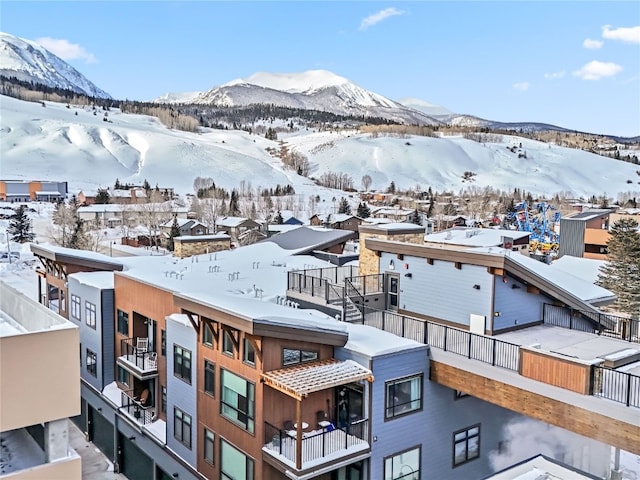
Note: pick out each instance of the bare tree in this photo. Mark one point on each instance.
(366, 182)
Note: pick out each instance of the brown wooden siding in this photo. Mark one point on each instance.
(565, 373)
(570, 417)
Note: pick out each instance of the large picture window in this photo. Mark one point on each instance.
(403, 466)
(403, 396)
(90, 313)
(182, 363)
(234, 464)
(237, 400)
(182, 427)
(123, 322)
(466, 445)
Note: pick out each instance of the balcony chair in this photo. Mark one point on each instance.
(142, 345)
(323, 419)
(153, 360)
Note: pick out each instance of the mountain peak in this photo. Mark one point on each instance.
(302, 82)
(30, 62)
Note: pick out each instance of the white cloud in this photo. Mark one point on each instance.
(521, 86)
(624, 34)
(592, 44)
(596, 70)
(376, 18)
(554, 75)
(66, 50)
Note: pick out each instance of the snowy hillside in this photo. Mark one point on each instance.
(28, 61)
(53, 143)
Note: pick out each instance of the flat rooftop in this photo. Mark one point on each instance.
(584, 346)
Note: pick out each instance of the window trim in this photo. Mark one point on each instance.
(179, 369)
(246, 345)
(301, 358)
(227, 338)
(210, 367)
(206, 331)
(76, 305)
(92, 368)
(183, 416)
(390, 412)
(206, 440)
(397, 454)
(91, 314)
(123, 316)
(465, 440)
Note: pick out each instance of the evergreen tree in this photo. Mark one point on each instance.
(20, 226)
(234, 208)
(103, 196)
(344, 206)
(392, 187)
(173, 233)
(621, 272)
(278, 220)
(146, 185)
(117, 186)
(363, 210)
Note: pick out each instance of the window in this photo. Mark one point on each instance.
(237, 400)
(207, 335)
(123, 376)
(291, 356)
(209, 438)
(182, 427)
(227, 343)
(92, 363)
(63, 301)
(466, 445)
(123, 322)
(248, 352)
(403, 396)
(403, 466)
(163, 343)
(209, 377)
(90, 313)
(182, 363)
(75, 307)
(163, 399)
(234, 464)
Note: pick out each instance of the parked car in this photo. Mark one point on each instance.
(8, 257)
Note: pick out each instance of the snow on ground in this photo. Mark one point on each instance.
(53, 143)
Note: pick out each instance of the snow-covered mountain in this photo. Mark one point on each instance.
(425, 107)
(312, 90)
(477, 122)
(28, 61)
(53, 143)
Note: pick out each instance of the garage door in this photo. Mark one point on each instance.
(101, 432)
(134, 463)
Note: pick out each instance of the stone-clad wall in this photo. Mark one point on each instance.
(369, 260)
(189, 248)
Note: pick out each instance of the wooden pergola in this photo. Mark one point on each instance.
(301, 380)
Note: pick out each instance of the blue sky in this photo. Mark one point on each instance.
(573, 64)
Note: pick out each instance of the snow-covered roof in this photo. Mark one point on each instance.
(373, 342)
(580, 288)
(306, 239)
(588, 214)
(100, 280)
(334, 217)
(213, 236)
(474, 237)
(232, 221)
(585, 268)
(540, 468)
(71, 255)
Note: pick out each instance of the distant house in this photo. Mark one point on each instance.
(32, 191)
(189, 245)
(340, 221)
(406, 215)
(288, 218)
(188, 227)
(585, 234)
(236, 226)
